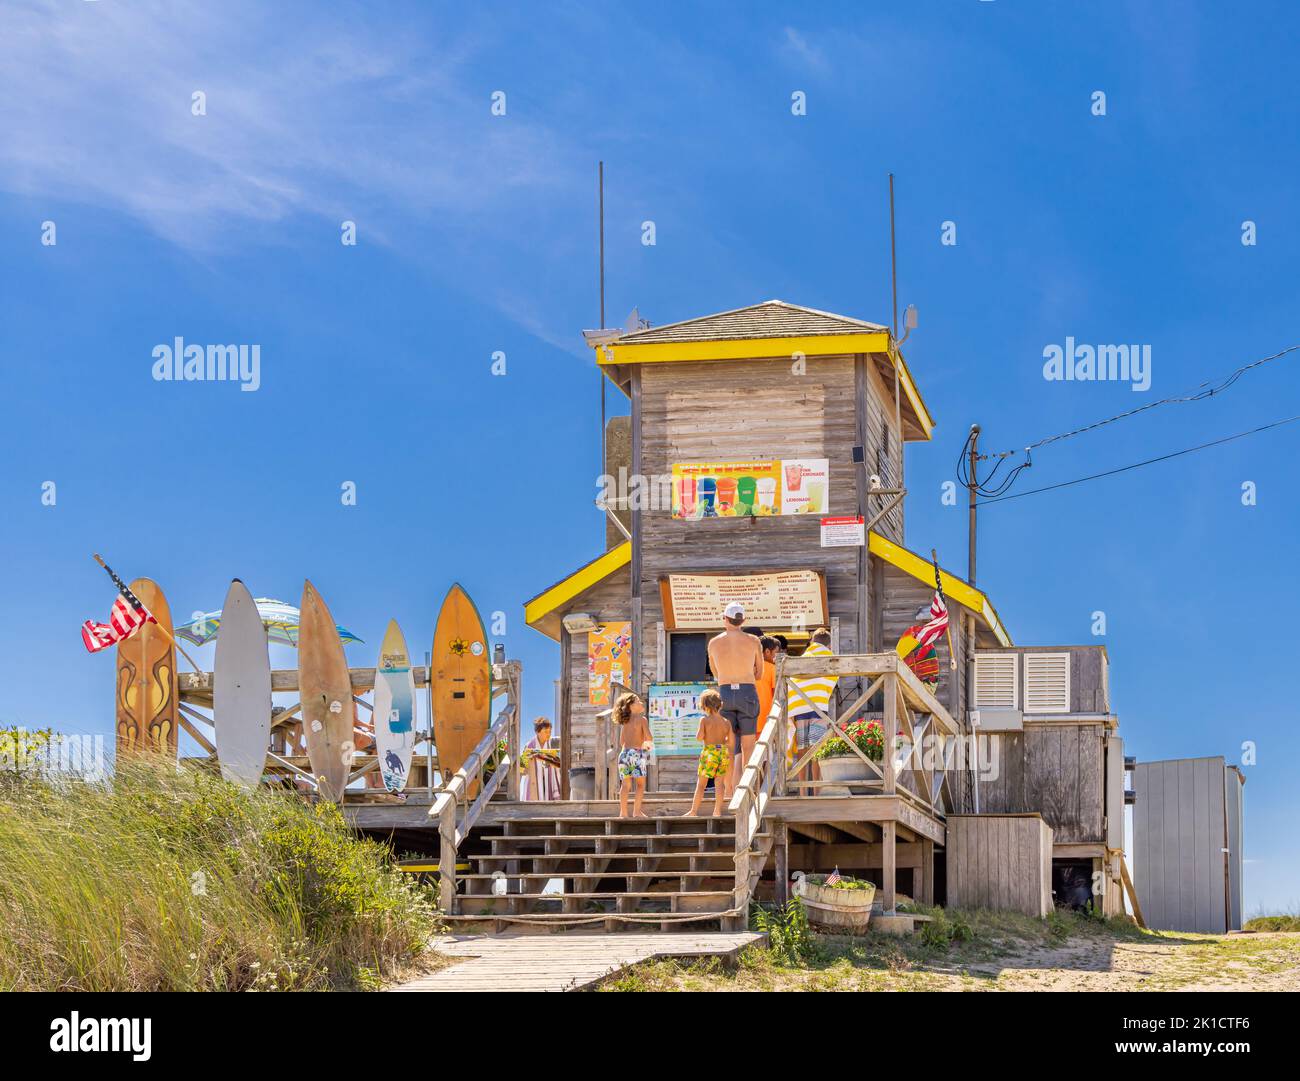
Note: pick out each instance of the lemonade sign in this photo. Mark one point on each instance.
(750, 489)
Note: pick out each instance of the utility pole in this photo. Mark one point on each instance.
(600, 189)
(971, 486)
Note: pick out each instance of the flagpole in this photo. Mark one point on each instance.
(938, 586)
(166, 633)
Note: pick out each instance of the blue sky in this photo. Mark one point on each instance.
(476, 234)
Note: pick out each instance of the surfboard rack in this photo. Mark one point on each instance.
(287, 763)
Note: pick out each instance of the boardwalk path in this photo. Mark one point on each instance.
(561, 962)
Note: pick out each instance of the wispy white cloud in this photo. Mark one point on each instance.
(331, 117)
(799, 48)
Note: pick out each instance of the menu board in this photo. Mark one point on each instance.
(795, 599)
(674, 713)
(607, 655)
(753, 489)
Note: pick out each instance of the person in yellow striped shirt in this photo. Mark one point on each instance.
(816, 691)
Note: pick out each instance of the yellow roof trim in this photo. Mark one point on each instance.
(583, 578)
(956, 588)
(740, 348)
(914, 396)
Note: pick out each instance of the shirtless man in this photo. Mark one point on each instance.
(736, 658)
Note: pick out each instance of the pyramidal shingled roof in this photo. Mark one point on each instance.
(771, 319)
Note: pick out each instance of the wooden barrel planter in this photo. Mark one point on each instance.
(845, 912)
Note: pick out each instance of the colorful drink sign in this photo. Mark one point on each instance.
(755, 489)
(795, 599)
(607, 653)
(673, 710)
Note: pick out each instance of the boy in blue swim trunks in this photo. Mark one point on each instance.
(634, 752)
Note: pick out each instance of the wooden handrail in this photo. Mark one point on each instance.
(871, 665)
(763, 774)
(453, 825)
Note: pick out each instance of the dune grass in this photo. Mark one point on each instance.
(1272, 923)
(167, 879)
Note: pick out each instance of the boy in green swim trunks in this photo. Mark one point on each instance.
(715, 757)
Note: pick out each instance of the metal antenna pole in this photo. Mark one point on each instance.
(600, 188)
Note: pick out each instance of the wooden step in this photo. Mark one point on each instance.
(473, 899)
(609, 918)
(684, 854)
(616, 835)
(543, 876)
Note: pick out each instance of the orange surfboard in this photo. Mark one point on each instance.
(461, 690)
(147, 708)
(329, 715)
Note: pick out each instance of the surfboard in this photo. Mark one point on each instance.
(241, 692)
(462, 681)
(394, 713)
(147, 710)
(328, 712)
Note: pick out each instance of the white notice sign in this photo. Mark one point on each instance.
(843, 532)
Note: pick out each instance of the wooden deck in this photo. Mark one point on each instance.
(414, 814)
(567, 962)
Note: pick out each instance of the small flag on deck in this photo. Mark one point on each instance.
(127, 616)
(833, 879)
(937, 625)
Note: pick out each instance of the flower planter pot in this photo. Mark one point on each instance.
(842, 911)
(850, 768)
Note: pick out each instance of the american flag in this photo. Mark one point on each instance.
(936, 626)
(833, 879)
(128, 615)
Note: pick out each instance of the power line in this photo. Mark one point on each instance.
(1205, 390)
(1139, 465)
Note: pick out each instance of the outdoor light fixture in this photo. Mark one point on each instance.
(909, 322)
(580, 622)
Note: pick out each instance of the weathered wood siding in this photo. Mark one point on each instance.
(1054, 769)
(607, 601)
(722, 410)
(1000, 862)
(759, 409)
(1180, 828)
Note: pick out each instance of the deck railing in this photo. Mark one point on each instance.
(922, 742)
(459, 803)
(763, 776)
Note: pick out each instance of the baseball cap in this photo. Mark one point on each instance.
(735, 610)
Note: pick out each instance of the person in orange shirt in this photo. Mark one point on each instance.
(767, 685)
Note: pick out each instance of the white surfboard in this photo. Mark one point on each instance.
(241, 693)
(394, 709)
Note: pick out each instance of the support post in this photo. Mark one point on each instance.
(514, 702)
(447, 858)
(890, 727)
(781, 849)
(889, 866)
(638, 616)
(927, 870)
(566, 711)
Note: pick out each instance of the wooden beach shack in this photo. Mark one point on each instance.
(747, 393)
(762, 460)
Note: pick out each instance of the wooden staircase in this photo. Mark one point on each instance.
(600, 870)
